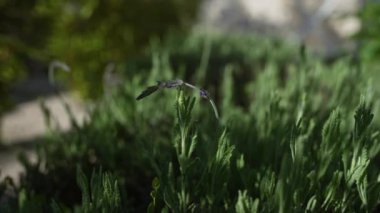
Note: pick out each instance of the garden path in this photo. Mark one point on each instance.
(24, 126)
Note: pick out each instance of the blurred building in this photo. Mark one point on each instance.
(325, 26)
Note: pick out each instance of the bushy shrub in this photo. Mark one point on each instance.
(305, 139)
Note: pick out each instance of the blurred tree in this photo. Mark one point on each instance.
(369, 35)
(90, 34)
(87, 35)
(23, 32)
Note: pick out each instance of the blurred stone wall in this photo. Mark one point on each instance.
(324, 25)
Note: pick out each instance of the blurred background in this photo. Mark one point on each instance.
(102, 41)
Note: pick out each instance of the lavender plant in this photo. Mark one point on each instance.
(178, 84)
(304, 141)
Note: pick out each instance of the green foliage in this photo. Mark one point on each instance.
(18, 40)
(101, 194)
(102, 31)
(296, 134)
(10, 73)
(7, 201)
(212, 168)
(370, 31)
(28, 201)
(246, 203)
(87, 35)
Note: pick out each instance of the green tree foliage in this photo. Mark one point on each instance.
(23, 31)
(370, 31)
(87, 35)
(90, 34)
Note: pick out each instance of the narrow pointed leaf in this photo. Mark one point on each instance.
(147, 92)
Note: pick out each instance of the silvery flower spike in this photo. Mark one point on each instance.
(175, 84)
